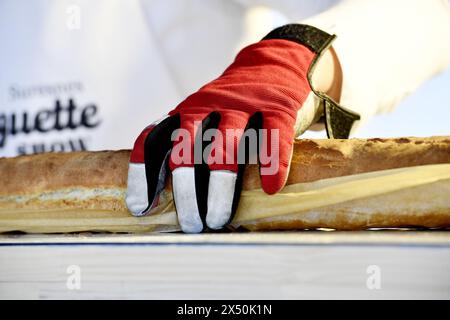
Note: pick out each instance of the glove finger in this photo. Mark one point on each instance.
(224, 166)
(275, 153)
(185, 198)
(186, 157)
(147, 168)
(183, 153)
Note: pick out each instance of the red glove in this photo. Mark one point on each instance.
(264, 88)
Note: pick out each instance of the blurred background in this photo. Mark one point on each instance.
(91, 74)
(426, 112)
(409, 118)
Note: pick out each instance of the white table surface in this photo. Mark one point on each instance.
(275, 265)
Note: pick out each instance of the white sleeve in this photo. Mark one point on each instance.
(386, 48)
(293, 10)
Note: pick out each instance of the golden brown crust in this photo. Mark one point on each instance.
(312, 160)
(55, 171)
(321, 159)
(65, 180)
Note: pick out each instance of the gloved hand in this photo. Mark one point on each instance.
(266, 87)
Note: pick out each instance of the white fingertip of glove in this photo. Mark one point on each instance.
(137, 197)
(221, 190)
(185, 200)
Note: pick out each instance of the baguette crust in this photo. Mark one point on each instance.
(328, 158)
(312, 160)
(54, 171)
(97, 181)
(65, 180)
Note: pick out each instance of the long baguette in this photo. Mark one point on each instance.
(90, 187)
